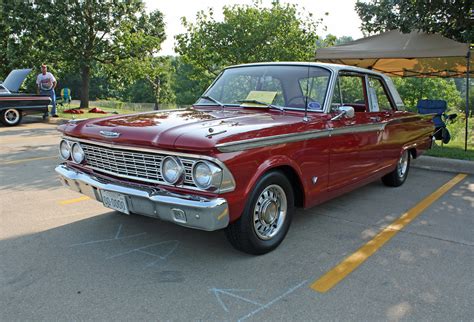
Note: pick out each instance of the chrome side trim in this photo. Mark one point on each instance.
(227, 177)
(295, 137)
(23, 107)
(272, 140)
(359, 128)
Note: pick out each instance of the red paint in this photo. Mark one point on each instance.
(341, 163)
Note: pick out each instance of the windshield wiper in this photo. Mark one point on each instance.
(262, 103)
(209, 98)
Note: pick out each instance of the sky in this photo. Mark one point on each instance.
(341, 21)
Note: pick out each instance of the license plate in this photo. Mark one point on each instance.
(114, 200)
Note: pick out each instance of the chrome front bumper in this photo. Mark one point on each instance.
(186, 210)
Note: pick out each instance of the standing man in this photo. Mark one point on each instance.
(46, 84)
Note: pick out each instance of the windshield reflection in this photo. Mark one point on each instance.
(264, 86)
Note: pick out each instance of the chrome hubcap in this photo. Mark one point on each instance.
(270, 212)
(403, 164)
(12, 116)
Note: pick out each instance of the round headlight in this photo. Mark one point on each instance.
(202, 175)
(77, 153)
(171, 170)
(64, 150)
(206, 175)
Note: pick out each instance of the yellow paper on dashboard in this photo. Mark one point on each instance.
(266, 97)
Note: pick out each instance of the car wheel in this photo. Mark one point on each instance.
(398, 176)
(266, 217)
(11, 117)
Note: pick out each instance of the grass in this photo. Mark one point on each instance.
(87, 115)
(452, 150)
(455, 148)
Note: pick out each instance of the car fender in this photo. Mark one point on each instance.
(269, 164)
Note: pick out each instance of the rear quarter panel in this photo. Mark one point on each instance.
(406, 131)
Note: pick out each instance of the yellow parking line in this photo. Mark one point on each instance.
(349, 264)
(27, 160)
(67, 202)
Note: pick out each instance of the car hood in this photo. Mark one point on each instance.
(15, 79)
(188, 130)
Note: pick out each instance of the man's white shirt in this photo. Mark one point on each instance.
(45, 82)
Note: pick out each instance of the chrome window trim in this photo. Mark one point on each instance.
(228, 181)
(328, 90)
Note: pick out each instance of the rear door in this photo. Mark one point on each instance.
(383, 109)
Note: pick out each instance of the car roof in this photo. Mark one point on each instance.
(333, 67)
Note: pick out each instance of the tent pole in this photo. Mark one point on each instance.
(467, 98)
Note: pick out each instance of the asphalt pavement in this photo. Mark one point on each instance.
(66, 257)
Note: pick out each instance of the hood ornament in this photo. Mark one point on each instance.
(109, 134)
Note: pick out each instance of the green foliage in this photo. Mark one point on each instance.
(79, 34)
(413, 89)
(455, 148)
(156, 72)
(186, 83)
(248, 33)
(450, 18)
(331, 40)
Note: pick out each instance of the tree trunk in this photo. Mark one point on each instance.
(157, 88)
(85, 75)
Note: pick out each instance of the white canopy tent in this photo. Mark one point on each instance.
(416, 54)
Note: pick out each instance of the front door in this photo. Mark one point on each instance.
(353, 154)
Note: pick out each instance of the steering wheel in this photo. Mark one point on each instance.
(303, 99)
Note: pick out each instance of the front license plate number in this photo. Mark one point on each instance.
(115, 201)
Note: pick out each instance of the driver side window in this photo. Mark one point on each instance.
(349, 91)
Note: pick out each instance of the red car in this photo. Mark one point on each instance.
(262, 140)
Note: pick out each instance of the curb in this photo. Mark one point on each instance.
(443, 164)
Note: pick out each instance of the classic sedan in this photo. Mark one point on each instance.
(262, 140)
(13, 105)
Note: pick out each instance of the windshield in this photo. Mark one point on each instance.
(262, 86)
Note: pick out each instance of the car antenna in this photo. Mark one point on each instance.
(305, 118)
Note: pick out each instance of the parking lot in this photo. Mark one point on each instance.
(65, 257)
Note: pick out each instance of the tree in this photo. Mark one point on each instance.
(187, 85)
(249, 33)
(86, 32)
(450, 18)
(155, 71)
(413, 89)
(331, 40)
(17, 41)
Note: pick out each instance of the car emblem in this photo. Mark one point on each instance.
(109, 134)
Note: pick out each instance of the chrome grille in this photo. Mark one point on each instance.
(141, 166)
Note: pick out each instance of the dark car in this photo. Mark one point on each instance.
(13, 105)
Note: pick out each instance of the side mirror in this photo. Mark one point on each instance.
(344, 111)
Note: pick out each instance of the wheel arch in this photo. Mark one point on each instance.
(289, 168)
(295, 180)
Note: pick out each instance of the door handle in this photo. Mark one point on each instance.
(375, 118)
